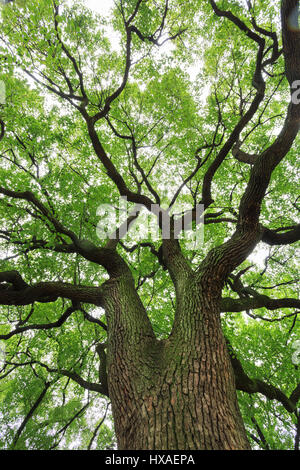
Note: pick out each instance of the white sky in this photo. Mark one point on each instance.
(101, 6)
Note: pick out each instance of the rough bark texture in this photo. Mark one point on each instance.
(178, 393)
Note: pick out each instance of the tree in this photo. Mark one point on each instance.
(194, 346)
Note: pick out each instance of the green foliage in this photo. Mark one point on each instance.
(171, 103)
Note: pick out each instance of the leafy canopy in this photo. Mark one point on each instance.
(190, 82)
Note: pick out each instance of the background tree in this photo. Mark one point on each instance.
(192, 103)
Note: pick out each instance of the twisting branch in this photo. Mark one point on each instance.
(258, 83)
(235, 20)
(130, 29)
(32, 199)
(100, 349)
(242, 156)
(249, 232)
(259, 301)
(79, 74)
(92, 319)
(246, 384)
(154, 40)
(273, 237)
(2, 127)
(14, 291)
(45, 326)
(297, 437)
(93, 387)
(105, 257)
(156, 36)
(262, 440)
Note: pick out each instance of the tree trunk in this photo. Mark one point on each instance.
(178, 393)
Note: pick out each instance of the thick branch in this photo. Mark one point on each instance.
(242, 156)
(2, 127)
(291, 39)
(258, 83)
(93, 387)
(107, 258)
(102, 367)
(112, 171)
(272, 237)
(259, 301)
(14, 291)
(272, 156)
(32, 199)
(225, 258)
(248, 385)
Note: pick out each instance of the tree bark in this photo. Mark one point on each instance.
(178, 393)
